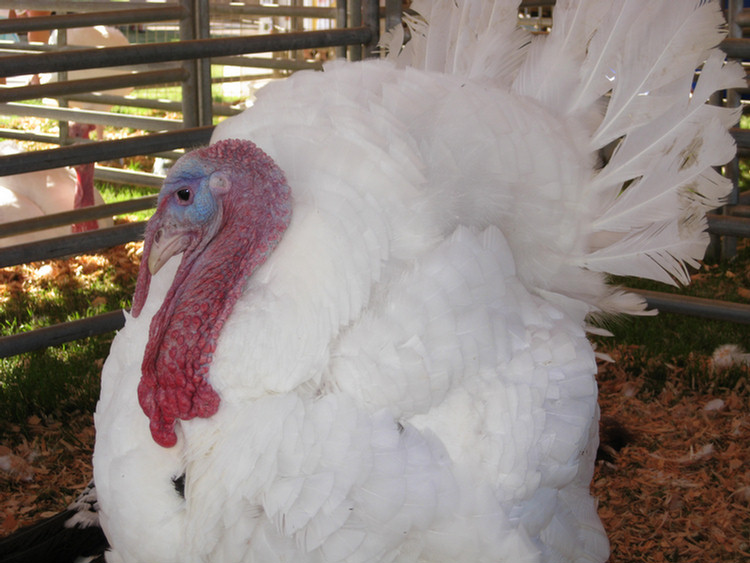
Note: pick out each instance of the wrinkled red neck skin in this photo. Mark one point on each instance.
(84, 195)
(184, 332)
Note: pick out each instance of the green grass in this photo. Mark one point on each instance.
(54, 383)
(61, 379)
(681, 334)
(112, 193)
(674, 345)
(64, 378)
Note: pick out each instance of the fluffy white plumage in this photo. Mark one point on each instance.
(33, 194)
(407, 377)
(86, 37)
(95, 36)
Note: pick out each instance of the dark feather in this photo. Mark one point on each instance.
(62, 538)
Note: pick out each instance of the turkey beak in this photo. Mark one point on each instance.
(166, 244)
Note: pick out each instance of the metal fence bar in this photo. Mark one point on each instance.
(147, 103)
(354, 15)
(75, 216)
(114, 17)
(60, 333)
(258, 62)
(279, 11)
(55, 89)
(191, 86)
(29, 136)
(90, 116)
(105, 150)
(64, 5)
(134, 177)
(736, 48)
(697, 306)
(371, 20)
(71, 245)
(177, 51)
(196, 88)
(728, 225)
(341, 11)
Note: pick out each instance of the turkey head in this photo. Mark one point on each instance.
(225, 208)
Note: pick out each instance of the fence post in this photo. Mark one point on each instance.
(354, 19)
(196, 90)
(371, 18)
(62, 76)
(729, 243)
(341, 10)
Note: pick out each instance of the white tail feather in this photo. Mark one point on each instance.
(661, 251)
(655, 138)
(622, 71)
(471, 39)
(550, 74)
(665, 44)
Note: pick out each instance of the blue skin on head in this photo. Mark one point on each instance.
(192, 199)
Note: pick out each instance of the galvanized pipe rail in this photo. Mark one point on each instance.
(258, 62)
(64, 218)
(86, 85)
(696, 306)
(80, 59)
(72, 245)
(110, 17)
(91, 116)
(60, 333)
(67, 5)
(104, 150)
(276, 11)
(147, 103)
(728, 225)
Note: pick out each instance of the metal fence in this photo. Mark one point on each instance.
(235, 41)
(186, 62)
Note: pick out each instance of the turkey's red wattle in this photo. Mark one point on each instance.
(84, 196)
(184, 332)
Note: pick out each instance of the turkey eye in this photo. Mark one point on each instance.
(184, 195)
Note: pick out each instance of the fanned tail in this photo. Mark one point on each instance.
(623, 71)
(634, 68)
(669, 141)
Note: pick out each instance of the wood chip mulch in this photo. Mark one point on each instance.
(678, 491)
(38, 277)
(43, 466)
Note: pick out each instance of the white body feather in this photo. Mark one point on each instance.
(407, 377)
(33, 194)
(87, 37)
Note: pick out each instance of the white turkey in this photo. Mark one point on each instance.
(359, 330)
(94, 36)
(44, 192)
